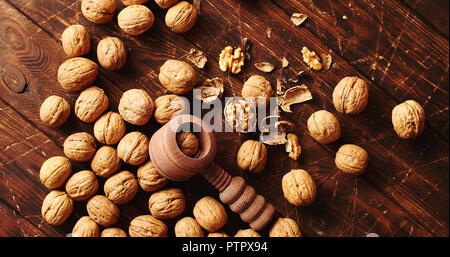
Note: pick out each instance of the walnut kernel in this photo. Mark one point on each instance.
(240, 115)
(311, 58)
(229, 61)
(292, 146)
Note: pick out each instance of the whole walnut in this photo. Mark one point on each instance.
(136, 106)
(111, 53)
(131, 2)
(218, 234)
(133, 148)
(351, 95)
(188, 143)
(113, 232)
(247, 233)
(408, 119)
(90, 104)
(57, 207)
(324, 127)
(168, 106)
(259, 88)
(149, 178)
(54, 171)
(77, 73)
(252, 156)
(76, 41)
(85, 227)
(181, 17)
(298, 187)
(210, 214)
(177, 76)
(166, 3)
(80, 146)
(82, 185)
(188, 227)
(352, 159)
(167, 204)
(147, 226)
(121, 187)
(102, 211)
(105, 162)
(54, 111)
(135, 19)
(285, 227)
(109, 128)
(98, 11)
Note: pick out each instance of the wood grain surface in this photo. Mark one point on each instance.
(400, 47)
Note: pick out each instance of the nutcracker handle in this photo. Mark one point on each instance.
(240, 197)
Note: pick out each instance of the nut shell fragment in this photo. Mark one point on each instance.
(210, 90)
(295, 95)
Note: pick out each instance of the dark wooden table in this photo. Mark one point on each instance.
(400, 47)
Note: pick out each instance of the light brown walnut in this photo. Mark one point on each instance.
(188, 227)
(258, 88)
(147, 226)
(188, 143)
(292, 146)
(210, 214)
(111, 53)
(133, 148)
(167, 204)
(102, 211)
(77, 73)
(218, 234)
(252, 156)
(54, 171)
(298, 187)
(352, 159)
(82, 185)
(76, 41)
(90, 104)
(351, 95)
(121, 187)
(168, 106)
(166, 3)
(285, 227)
(135, 19)
(85, 227)
(131, 2)
(136, 106)
(177, 77)
(109, 128)
(324, 127)
(56, 207)
(105, 162)
(149, 178)
(247, 233)
(98, 11)
(80, 146)
(181, 17)
(54, 111)
(408, 119)
(113, 232)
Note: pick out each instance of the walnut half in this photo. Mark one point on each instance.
(229, 61)
(311, 58)
(293, 147)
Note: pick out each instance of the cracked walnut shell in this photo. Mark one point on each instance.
(136, 106)
(210, 214)
(54, 111)
(247, 233)
(352, 159)
(285, 227)
(57, 207)
(105, 162)
(167, 204)
(102, 211)
(298, 187)
(135, 19)
(408, 119)
(90, 104)
(324, 127)
(147, 226)
(166, 3)
(98, 11)
(188, 143)
(85, 227)
(181, 17)
(252, 156)
(121, 187)
(111, 53)
(168, 106)
(77, 73)
(82, 185)
(133, 148)
(259, 88)
(177, 77)
(54, 171)
(76, 41)
(351, 95)
(231, 61)
(149, 178)
(113, 232)
(80, 146)
(188, 227)
(109, 128)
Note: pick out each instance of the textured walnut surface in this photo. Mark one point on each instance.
(252, 156)
(230, 60)
(113, 232)
(135, 19)
(166, 3)
(77, 73)
(90, 104)
(80, 146)
(102, 211)
(285, 227)
(147, 226)
(210, 214)
(352, 159)
(133, 148)
(54, 111)
(181, 17)
(218, 234)
(136, 106)
(54, 171)
(82, 185)
(351, 95)
(76, 41)
(188, 143)
(111, 53)
(177, 76)
(149, 178)
(408, 119)
(188, 227)
(298, 187)
(131, 2)
(56, 207)
(247, 233)
(98, 11)
(85, 227)
(167, 204)
(257, 87)
(105, 162)
(121, 187)
(324, 127)
(168, 106)
(109, 128)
